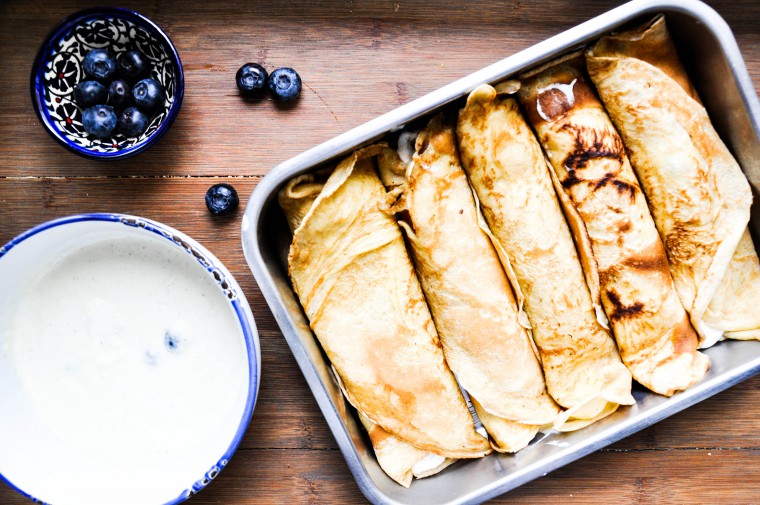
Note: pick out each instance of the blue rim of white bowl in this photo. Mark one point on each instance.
(235, 295)
(48, 45)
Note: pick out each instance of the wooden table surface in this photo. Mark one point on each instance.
(358, 59)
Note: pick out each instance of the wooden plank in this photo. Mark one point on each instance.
(358, 59)
(640, 477)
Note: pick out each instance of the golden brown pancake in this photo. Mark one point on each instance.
(510, 176)
(470, 298)
(595, 181)
(696, 191)
(351, 272)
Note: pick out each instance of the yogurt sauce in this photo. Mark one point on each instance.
(128, 351)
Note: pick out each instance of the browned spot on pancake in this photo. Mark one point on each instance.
(437, 342)
(652, 258)
(607, 275)
(571, 179)
(603, 181)
(406, 399)
(443, 139)
(550, 353)
(474, 116)
(625, 227)
(488, 181)
(684, 337)
(592, 144)
(501, 139)
(625, 187)
(682, 246)
(623, 311)
(553, 103)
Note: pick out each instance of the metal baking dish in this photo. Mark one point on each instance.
(712, 57)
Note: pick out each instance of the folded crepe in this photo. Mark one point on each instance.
(468, 293)
(696, 191)
(511, 178)
(351, 272)
(595, 181)
(401, 461)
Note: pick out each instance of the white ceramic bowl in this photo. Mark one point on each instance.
(129, 362)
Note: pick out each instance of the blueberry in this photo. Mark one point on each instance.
(132, 122)
(149, 95)
(251, 79)
(132, 64)
(285, 83)
(88, 93)
(99, 64)
(119, 94)
(221, 199)
(99, 120)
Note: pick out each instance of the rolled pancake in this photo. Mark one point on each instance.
(594, 178)
(696, 190)
(468, 293)
(401, 461)
(511, 178)
(356, 283)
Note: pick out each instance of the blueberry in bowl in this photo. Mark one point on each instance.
(88, 93)
(99, 120)
(137, 48)
(132, 122)
(119, 94)
(148, 95)
(99, 64)
(132, 64)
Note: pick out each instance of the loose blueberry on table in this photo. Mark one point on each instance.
(99, 64)
(148, 95)
(285, 84)
(88, 93)
(221, 199)
(99, 120)
(251, 79)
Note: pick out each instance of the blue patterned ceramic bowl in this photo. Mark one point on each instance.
(58, 68)
(142, 389)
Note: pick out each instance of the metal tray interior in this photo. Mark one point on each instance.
(712, 57)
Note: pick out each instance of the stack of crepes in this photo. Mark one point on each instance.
(601, 195)
(468, 292)
(352, 274)
(517, 271)
(698, 195)
(510, 176)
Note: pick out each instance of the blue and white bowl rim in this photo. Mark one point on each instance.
(238, 302)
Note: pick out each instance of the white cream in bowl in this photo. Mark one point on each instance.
(128, 363)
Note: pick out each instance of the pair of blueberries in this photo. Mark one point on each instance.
(102, 67)
(284, 83)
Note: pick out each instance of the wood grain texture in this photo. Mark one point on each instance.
(358, 59)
